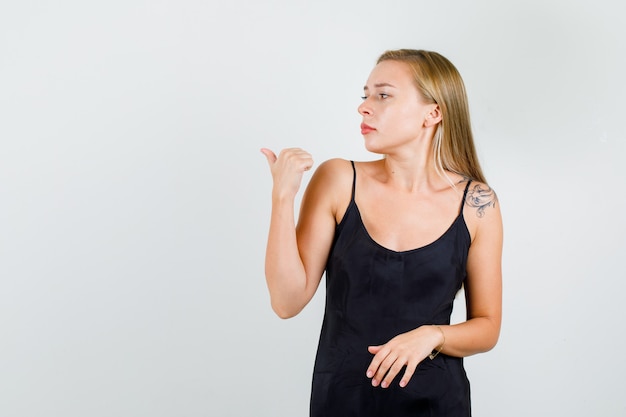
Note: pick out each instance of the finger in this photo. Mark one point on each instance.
(271, 156)
(394, 370)
(306, 164)
(384, 369)
(297, 158)
(304, 160)
(373, 367)
(373, 349)
(408, 373)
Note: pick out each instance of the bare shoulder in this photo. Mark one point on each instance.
(481, 199)
(482, 211)
(333, 174)
(332, 182)
(336, 166)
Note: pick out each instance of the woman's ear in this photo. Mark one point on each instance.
(433, 117)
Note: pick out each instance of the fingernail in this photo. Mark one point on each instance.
(374, 382)
(403, 384)
(370, 374)
(384, 384)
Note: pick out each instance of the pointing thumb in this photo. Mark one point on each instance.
(271, 156)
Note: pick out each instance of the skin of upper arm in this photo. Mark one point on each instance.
(327, 191)
(483, 285)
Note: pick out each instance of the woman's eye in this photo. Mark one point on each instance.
(381, 96)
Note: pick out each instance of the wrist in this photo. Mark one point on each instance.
(442, 341)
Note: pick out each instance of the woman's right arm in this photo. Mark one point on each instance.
(296, 256)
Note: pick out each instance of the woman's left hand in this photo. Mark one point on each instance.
(408, 349)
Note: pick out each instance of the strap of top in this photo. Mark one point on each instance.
(353, 180)
(464, 196)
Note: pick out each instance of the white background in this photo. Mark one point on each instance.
(134, 201)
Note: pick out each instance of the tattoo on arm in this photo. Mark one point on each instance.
(481, 196)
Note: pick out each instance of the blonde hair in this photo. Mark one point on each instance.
(438, 81)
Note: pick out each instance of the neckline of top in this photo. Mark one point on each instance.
(354, 206)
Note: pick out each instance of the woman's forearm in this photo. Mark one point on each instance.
(477, 335)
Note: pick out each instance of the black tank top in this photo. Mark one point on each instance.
(373, 294)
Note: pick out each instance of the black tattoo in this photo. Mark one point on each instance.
(481, 196)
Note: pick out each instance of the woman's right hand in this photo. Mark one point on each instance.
(287, 169)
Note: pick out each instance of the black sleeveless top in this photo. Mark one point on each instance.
(372, 295)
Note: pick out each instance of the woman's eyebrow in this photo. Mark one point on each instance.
(380, 85)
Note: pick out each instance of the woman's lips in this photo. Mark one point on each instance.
(365, 129)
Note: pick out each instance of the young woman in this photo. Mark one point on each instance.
(398, 237)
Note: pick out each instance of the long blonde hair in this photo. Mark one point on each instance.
(438, 81)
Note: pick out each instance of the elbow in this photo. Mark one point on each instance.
(482, 345)
(284, 312)
(486, 334)
(490, 344)
(492, 339)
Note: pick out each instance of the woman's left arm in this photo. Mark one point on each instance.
(483, 285)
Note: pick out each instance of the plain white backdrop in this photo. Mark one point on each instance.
(134, 201)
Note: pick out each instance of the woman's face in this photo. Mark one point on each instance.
(394, 113)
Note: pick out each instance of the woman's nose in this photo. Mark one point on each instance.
(364, 108)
